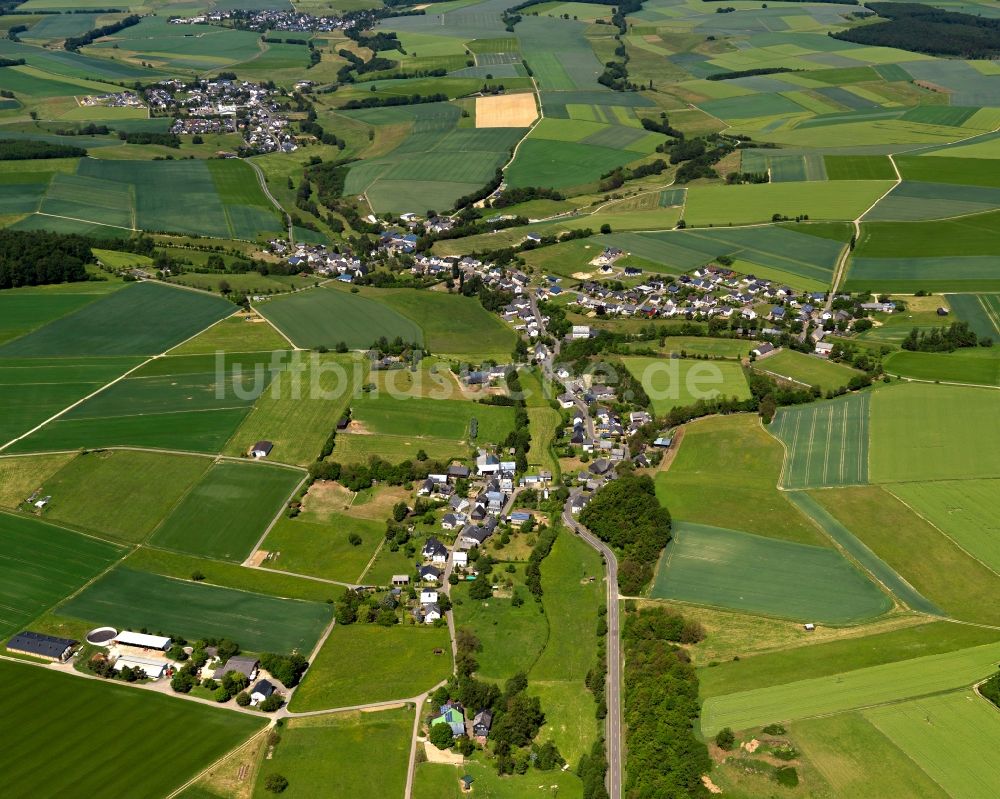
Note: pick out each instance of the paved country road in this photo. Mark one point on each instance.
(614, 690)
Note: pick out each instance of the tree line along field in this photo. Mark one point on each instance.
(47, 707)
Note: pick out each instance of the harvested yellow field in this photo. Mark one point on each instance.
(506, 111)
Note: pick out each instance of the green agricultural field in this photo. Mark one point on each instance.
(131, 599)
(323, 550)
(949, 432)
(234, 334)
(836, 656)
(23, 310)
(451, 324)
(804, 256)
(738, 447)
(703, 345)
(562, 164)
(977, 234)
(674, 382)
(46, 708)
(332, 755)
(302, 408)
(869, 561)
(401, 425)
(21, 476)
(965, 510)
(927, 559)
(227, 511)
(326, 317)
(859, 167)
(174, 47)
(142, 487)
(942, 169)
(953, 738)
(192, 403)
(807, 370)
(826, 443)
(837, 200)
(400, 662)
(976, 367)
(858, 762)
(849, 690)
(730, 569)
(229, 575)
(33, 390)
(41, 564)
(981, 311)
(142, 319)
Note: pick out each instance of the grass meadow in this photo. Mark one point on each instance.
(965, 510)
(726, 568)
(142, 487)
(224, 514)
(919, 552)
(301, 410)
(141, 319)
(953, 737)
(826, 443)
(398, 662)
(786, 665)
(326, 317)
(849, 690)
(739, 448)
(129, 599)
(574, 590)
(674, 382)
(949, 432)
(857, 761)
(332, 755)
(452, 324)
(807, 370)
(21, 476)
(42, 564)
(47, 708)
(443, 781)
(323, 550)
(234, 334)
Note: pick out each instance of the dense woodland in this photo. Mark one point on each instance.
(944, 339)
(26, 150)
(36, 257)
(661, 707)
(627, 515)
(924, 29)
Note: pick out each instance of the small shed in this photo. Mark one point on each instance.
(261, 449)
